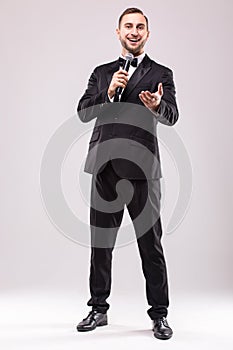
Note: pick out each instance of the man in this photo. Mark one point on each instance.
(125, 119)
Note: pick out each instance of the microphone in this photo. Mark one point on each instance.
(128, 58)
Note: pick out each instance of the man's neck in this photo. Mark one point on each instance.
(124, 52)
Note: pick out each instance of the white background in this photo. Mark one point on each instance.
(48, 50)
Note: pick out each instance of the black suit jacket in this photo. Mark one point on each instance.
(129, 127)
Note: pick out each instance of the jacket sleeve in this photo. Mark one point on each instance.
(94, 100)
(167, 112)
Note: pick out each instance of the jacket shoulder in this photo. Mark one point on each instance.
(159, 66)
(105, 65)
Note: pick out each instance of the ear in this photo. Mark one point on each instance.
(148, 34)
(118, 32)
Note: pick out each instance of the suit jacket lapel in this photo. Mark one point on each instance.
(143, 68)
(111, 69)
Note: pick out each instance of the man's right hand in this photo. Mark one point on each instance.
(119, 79)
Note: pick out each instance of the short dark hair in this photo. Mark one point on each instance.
(131, 10)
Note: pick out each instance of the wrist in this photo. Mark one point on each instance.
(111, 93)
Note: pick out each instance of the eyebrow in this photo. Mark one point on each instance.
(139, 24)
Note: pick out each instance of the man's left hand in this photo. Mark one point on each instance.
(152, 100)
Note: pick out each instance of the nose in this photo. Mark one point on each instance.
(134, 31)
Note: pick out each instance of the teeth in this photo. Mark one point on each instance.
(134, 40)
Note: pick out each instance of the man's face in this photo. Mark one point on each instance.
(133, 33)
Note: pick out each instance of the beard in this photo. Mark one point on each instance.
(133, 50)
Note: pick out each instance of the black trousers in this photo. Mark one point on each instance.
(104, 228)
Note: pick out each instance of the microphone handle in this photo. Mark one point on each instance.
(120, 89)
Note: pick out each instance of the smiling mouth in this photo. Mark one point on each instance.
(133, 40)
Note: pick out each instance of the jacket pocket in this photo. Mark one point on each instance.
(142, 143)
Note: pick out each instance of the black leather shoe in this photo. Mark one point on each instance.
(93, 320)
(161, 328)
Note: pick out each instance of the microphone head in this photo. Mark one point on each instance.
(129, 56)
